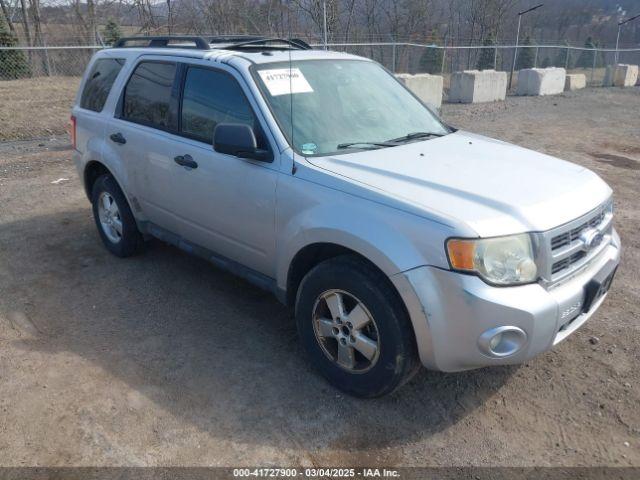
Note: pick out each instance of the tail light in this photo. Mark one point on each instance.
(72, 130)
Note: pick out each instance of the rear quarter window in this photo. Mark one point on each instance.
(99, 83)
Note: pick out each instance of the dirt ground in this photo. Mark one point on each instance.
(163, 360)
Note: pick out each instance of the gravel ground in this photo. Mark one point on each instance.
(163, 360)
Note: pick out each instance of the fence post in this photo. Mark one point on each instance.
(393, 56)
(566, 60)
(444, 54)
(593, 68)
(46, 57)
(535, 60)
(495, 58)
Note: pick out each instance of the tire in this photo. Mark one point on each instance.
(370, 300)
(125, 240)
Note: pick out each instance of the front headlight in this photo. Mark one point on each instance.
(500, 260)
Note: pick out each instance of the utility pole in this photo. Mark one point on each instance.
(324, 17)
(169, 19)
(515, 53)
(618, 37)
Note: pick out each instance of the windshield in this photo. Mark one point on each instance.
(343, 105)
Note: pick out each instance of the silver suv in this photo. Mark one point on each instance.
(396, 239)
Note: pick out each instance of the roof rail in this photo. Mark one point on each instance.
(227, 42)
(199, 43)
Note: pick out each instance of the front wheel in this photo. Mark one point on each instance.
(354, 327)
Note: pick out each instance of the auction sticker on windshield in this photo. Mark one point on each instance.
(283, 81)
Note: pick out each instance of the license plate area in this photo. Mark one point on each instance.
(599, 285)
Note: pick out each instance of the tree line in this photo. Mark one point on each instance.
(441, 22)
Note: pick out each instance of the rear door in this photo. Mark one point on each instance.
(143, 133)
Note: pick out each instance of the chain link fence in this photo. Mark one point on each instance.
(444, 60)
(37, 88)
(38, 84)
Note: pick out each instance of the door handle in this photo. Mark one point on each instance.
(186, 161)
(118, 138)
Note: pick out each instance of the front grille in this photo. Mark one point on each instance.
(572, 235)
(567, 262)
(565, 249)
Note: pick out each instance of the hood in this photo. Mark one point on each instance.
(494, 187)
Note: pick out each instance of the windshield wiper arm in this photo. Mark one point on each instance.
(415, 135)
(366, 145)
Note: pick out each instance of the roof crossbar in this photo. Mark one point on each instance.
(199, 43)
(264, 42)
(231, 39)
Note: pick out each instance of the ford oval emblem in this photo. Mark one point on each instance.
(591, 238)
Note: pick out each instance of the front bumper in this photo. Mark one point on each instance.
(451, 311)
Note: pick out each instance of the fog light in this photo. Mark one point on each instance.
(495, 342)
(502, 341)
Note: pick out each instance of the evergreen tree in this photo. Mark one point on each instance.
(111, 32)
(13, 63)
(526, 55)
(431, 59)
(487, 55)
(585, 60)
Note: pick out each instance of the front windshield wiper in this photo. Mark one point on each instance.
(366, 145)
(414, 136)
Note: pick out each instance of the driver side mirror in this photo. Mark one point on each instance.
(238, 140)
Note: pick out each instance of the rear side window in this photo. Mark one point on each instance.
(147, 96)
(99, 83)
(211, 97)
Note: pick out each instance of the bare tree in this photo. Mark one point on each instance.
(7, 16)
(25, 23)
(316, 12)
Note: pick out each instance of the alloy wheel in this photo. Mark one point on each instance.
(110, 219)
(346, 331)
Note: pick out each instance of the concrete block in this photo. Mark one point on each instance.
(474, 86)
(575, 81)
(426, 87)
(541, 81)
(625, 75)
(608, 76)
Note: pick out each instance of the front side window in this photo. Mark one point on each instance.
(335, 103)
(99, 83)
(147, 97)
(211, 97)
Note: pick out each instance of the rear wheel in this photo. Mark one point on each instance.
(116, 224)
(354, 327)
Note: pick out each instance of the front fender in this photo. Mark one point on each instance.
(393, 240)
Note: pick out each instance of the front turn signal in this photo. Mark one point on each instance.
(461, 253)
